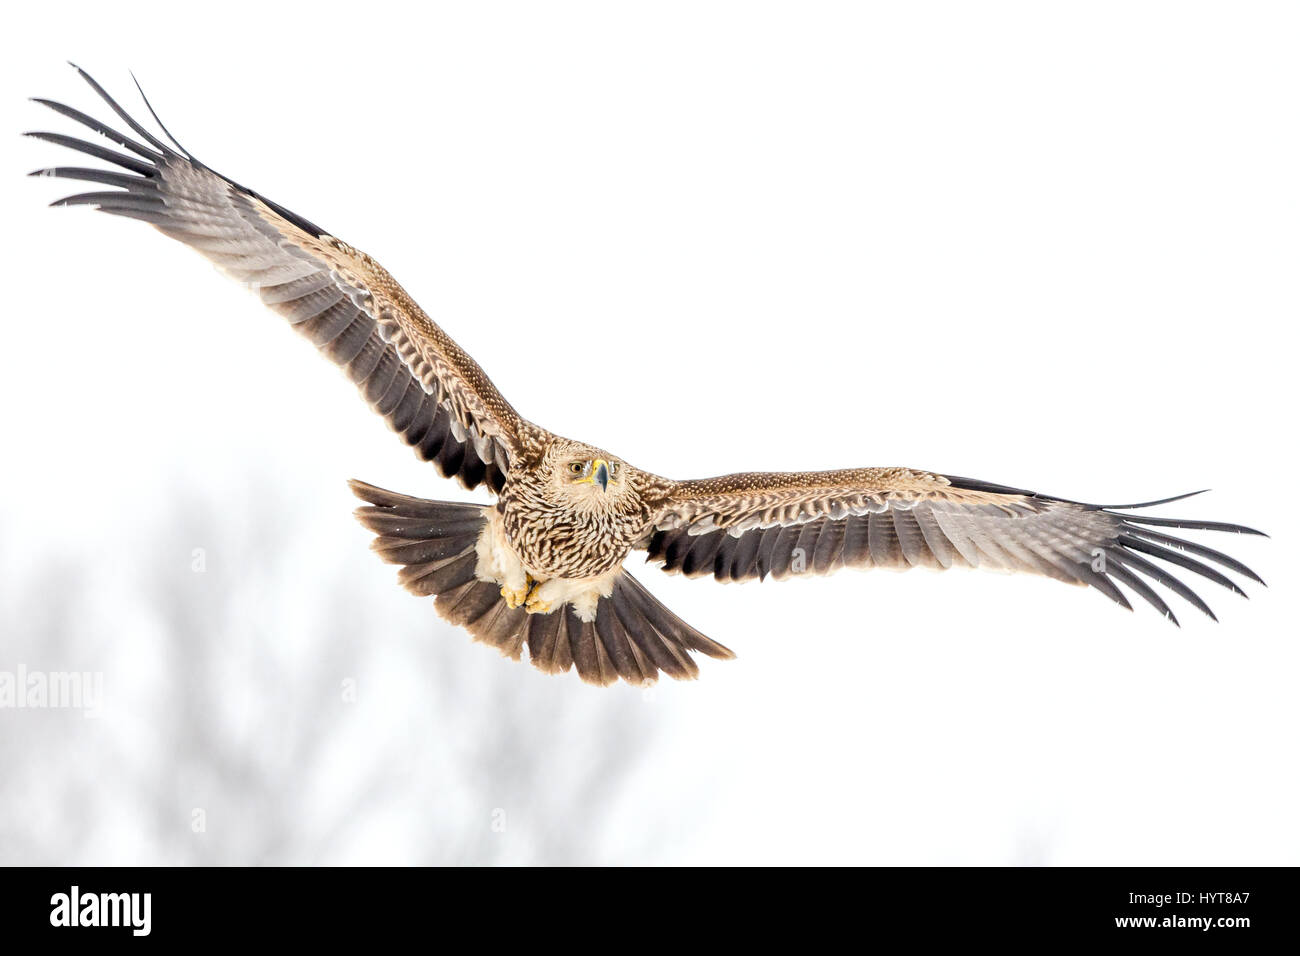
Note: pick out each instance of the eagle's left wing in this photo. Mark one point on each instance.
(755, 524)
(433, 394)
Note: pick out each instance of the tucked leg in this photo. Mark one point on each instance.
(498, 563)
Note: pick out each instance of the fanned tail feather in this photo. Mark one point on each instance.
(633, 637)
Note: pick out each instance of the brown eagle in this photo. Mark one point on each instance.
(543, 566)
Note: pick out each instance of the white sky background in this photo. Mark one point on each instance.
(1050, 245)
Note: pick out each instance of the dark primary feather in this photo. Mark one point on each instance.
(99, 152)
(188, 201)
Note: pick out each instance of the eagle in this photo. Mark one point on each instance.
(541, 568)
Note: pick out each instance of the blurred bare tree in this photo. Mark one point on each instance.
(264, 706)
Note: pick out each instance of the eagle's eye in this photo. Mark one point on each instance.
(577, 467)
(613, 469)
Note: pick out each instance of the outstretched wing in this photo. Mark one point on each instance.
(752, 525)
(428, 389)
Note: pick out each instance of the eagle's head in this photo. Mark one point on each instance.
(583, 477)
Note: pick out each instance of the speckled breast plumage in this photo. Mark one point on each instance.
(555, 542)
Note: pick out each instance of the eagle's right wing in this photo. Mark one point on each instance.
(429, 390)
(755, 524)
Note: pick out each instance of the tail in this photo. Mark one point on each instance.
(633, 635)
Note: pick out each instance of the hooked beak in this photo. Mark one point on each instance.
(600, 473)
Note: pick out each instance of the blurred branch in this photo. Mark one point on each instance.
(224, 694)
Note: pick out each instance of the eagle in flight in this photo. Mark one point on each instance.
(542, 567)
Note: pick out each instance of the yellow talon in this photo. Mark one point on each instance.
(515, 597)
(534, 604)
